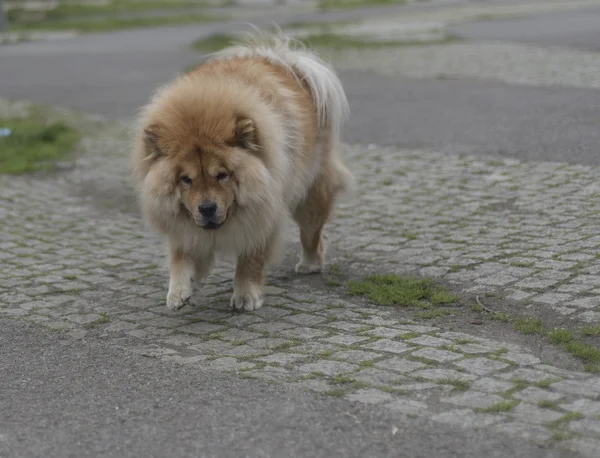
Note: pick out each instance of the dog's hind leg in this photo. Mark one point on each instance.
(311, 216)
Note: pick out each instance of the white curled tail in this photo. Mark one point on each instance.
(326, 88)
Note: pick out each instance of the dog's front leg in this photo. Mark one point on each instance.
(248, 284)
(182, 272)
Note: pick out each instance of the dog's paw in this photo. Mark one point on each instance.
(304, 267)
(178, 297)
(247, 300)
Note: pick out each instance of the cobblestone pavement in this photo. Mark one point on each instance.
(77, 259)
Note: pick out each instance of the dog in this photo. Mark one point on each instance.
(224, 153)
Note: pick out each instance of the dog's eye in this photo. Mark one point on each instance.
(185, 179)
(221, 176)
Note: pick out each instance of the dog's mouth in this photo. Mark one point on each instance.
(211, 226)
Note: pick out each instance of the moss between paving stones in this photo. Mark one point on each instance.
(400, 291)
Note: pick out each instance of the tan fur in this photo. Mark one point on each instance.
(243, 133)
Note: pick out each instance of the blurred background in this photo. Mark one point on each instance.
(501, 77)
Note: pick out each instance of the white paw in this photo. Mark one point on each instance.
(304, 267)
(247, 300)
(178, 296)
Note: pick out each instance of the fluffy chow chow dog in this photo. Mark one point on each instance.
(226, 152)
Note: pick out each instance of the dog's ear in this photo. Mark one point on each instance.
(151, 134)
(245, 134)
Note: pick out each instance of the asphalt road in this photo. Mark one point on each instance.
(576, 29)
(62, 397)
(114, 74)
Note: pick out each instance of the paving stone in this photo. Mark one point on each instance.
(271, 313)
(119, 326)
(272, 327)
(443, 374)
(490, 385)
(302, 333)
(306, 319)
(522, 359)
(211, 347)
(267, 342)
(466, 418)
(378, 377)
(435, 354)
(346, 326)
(481, 366)
(525, 430)
(165, 322)
(474, 400)
(408, 406)
(587, 447)
(585, 406)
(529, 375)
(532, 414)
(370, 396)
(239, 335)
(400, 365)
(185, 360)
(587, 426)
(327, 367)
(201, 328)
(577, 387)
(586, 302)
(185, 340)
(242, 320)
(534, 395)
(388, 333)
(389, 346)
(230, 364)
(245, 351)
(355, 356)
(473, 349)
(551, 298)
(281, 358)
(345, 340)
(314, 348)
(430, 341)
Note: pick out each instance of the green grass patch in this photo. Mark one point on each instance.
(503, 406)
(408, 336)
(106, 24)
(547, 404)
(500, 317)
(329, 40)
(213, 42)
(465, 341)
(566, 418)
(459, 385)
(560, 336)
(562, 435)
(345, 4)
(65, 10)
(584, 351)
(400, 291)
(529, 325)
(593, 331)
(544, 383)
(336, 42)
(35, 144)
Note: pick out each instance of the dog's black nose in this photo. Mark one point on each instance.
(207, 209)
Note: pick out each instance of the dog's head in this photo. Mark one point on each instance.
(203, 163)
